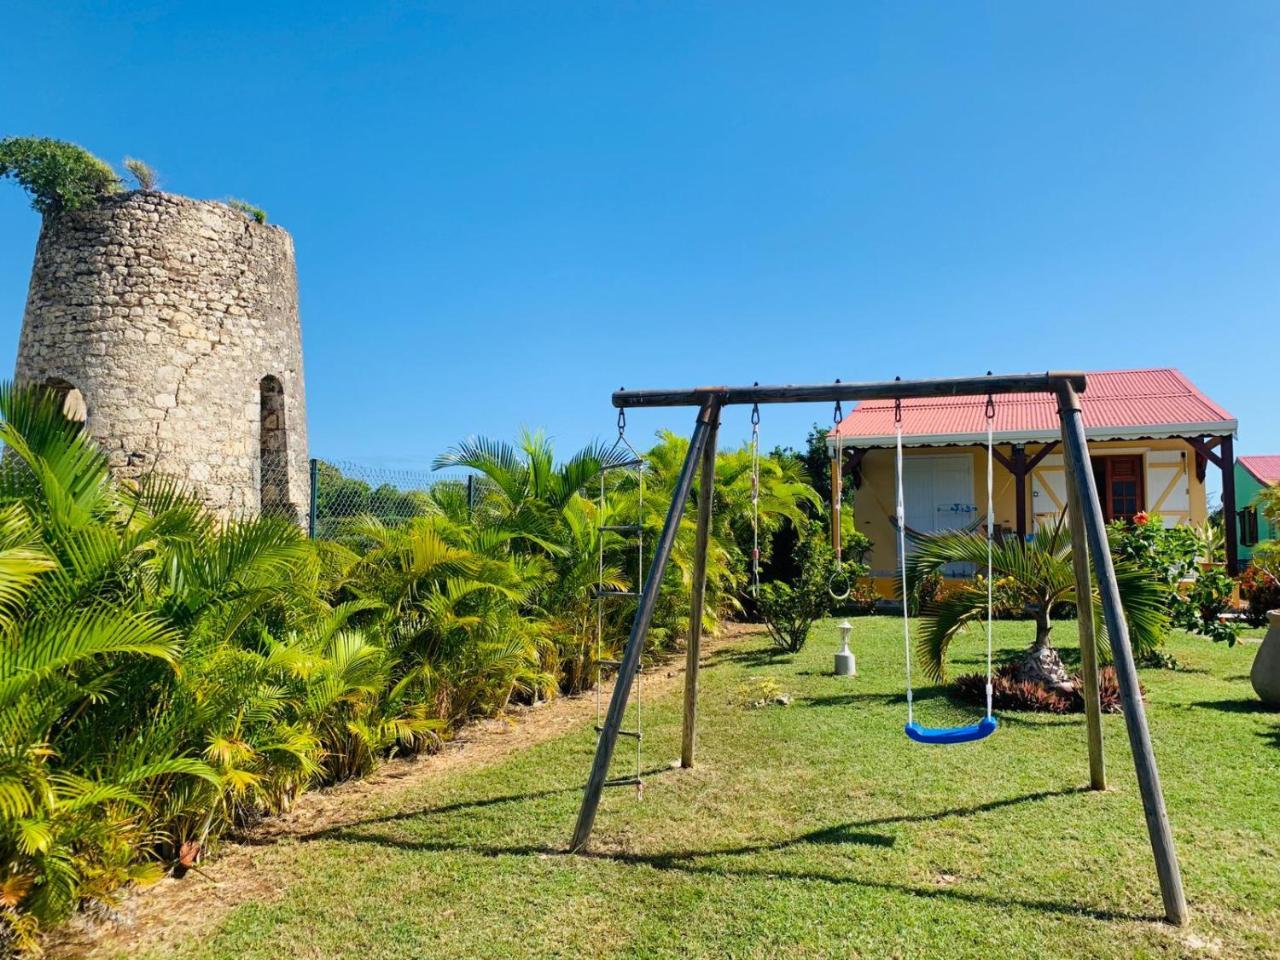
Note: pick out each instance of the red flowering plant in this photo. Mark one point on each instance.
(1260, 589)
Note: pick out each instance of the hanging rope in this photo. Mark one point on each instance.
(991, 526)
(600, 598)
(637, 462)
(902, 559)
(755, 500)
(988, 724)
(840, 584)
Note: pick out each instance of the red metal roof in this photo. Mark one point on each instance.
(1116, 404)
(1266, 469)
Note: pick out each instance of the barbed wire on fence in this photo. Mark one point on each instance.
(341, 490)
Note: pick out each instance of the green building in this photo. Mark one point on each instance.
(1251, 475)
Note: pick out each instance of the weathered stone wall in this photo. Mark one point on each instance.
(166, 313)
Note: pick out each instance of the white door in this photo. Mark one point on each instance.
(938, 495)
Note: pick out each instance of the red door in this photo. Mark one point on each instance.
(1122, 491)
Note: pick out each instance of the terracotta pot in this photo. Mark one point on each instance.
(1265, 675)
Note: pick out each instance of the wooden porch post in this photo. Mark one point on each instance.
(1020, 489)
(1229, 529)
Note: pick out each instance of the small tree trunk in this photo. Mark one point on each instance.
(1042, 665)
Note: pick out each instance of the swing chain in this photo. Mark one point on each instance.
(897, 411)
(755, 499)
(622, 423)
(991, 407)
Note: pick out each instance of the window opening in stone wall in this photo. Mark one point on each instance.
(74, 407)
(273, 449)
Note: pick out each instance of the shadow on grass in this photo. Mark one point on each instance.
(854, 832)
(1244, 705)
(945, 694)
(749, 657)
(458, 806)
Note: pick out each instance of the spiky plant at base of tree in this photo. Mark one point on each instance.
(1033, 576)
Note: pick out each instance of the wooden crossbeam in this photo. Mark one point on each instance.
(1206, 449)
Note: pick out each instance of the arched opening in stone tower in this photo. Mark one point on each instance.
(74, 407)
(273, 448)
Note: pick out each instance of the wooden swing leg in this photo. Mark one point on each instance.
(1135, 719)
(706, 495)
(1084, 623)
(630, 663)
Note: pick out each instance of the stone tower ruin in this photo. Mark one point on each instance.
(171, 326)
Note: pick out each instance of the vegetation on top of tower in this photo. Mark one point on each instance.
(256, 214)
(142, 172)
(56, 174)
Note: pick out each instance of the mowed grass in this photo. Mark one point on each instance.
(813, 830)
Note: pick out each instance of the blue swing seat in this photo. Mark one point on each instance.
(975, 731)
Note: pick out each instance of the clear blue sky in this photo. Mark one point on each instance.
(504, 211)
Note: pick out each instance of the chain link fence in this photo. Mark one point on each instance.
(341, 490)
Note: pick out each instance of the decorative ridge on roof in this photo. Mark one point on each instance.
(1265, 467)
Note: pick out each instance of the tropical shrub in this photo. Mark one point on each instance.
(167, 678)
(790, 609)
(862, 601)
(1261, 590)
(1167, 553)
(1209, 598)
(1174, 555)
(1036, 575)
(56, 175)
(925, 591)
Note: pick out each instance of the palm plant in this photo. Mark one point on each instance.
(785, 496)
(452, 595)
(1034, 576)
(110, 756)
(528, 490)
(542, 511)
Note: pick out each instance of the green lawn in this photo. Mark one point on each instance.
(814, 830)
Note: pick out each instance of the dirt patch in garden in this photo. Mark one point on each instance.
(257, 867)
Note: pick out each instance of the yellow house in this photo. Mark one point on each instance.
(1152, 436)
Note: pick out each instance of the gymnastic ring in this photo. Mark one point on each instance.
(840, 585)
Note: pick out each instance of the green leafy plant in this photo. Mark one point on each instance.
(790, 609)
(1210, 597)
(254, 213)
(757, 692)
(1167, 553)
(143, 174)
(926, 590)
(57, 175)
(862, 601)
(1261, 590)
(1036, 575)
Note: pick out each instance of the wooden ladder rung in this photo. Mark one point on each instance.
(623, 733)
(625, 782)
(625, 465)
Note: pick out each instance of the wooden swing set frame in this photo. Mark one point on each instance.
(1088, 540)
